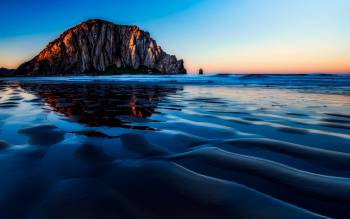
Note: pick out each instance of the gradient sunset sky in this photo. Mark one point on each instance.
(221, 36)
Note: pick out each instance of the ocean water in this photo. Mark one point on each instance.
(216, 146)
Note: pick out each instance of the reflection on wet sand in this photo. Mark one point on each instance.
(218, 152)
(102, 105)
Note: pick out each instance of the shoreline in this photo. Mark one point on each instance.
(277, 148)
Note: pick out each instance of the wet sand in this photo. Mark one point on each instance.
(104, 150)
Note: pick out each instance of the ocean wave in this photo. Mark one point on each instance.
(337, 84)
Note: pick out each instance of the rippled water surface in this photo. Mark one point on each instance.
(175, 147)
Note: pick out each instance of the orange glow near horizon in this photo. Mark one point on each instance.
(336, 65)
(275, 57)
(309, 56)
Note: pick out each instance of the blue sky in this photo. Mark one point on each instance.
(217, 35)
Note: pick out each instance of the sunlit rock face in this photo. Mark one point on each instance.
(95, 46)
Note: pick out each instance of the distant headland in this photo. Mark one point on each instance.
(101, 47)
(5, 72)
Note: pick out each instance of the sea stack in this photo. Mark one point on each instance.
(98, 47)
(201, 71)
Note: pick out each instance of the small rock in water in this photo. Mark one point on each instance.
(201, 72)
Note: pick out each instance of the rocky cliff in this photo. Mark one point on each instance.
(98, 46)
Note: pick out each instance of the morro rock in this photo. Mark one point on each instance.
(98, 46)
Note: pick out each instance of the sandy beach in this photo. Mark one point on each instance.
(175, 147)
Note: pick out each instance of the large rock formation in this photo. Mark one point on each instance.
(97, 46)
